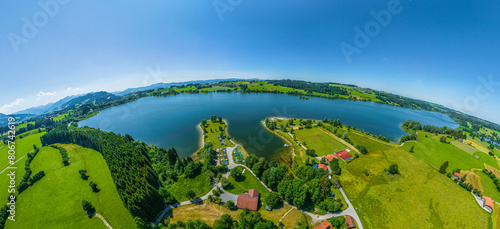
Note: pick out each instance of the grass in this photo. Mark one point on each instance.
(23, 147)
(213, 133)
(339, 195)
(250, 182)
(467, 148)
(431, 150)
(420, 196)
(55, 200)
(216, 88)
(490, 189)
(476, 144)
(319, 141)
(209, 212)
(60, 117)
(200, 185)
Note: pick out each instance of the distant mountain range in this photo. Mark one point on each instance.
(96, 98)
(164, 85)
(19, 118)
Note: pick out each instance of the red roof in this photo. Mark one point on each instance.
(344, 155)
(458, 175)
(331, 157)
(322, 166)
(350, 222)
(324, 225)
(488, 202)
(248, 200)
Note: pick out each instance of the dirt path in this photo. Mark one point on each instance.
(103, 220)
(340, 140)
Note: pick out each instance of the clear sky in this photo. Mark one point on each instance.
(438, 51)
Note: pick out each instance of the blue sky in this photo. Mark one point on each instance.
(438, 51)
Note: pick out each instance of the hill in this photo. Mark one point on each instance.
(47, 107)
(64, 186)
(19, 118)
(94, 98)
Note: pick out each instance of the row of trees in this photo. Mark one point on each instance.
(64, 154)
(29, 180)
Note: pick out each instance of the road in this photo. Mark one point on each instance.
(103, 220)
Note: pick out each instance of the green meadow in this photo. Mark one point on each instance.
(213, 133)
(318, 140)
(55, 200)
(250, 182)
(434, 152)
(23, 147)
(420, 197)
(200, 185)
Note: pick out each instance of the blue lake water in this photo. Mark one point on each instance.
(172, 121)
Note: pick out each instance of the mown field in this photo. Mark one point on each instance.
(22, 147)
(55, 200)
(431, 150)
(319, 141)
(490, 189)
(209, 212)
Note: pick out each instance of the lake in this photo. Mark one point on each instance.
(172, 121)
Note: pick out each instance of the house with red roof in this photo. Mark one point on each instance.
(248, 200)
(322, 166)
(488, 204)
(324, 225)
(456, 176)
(331, 157)
(344, 155)
(350, 222)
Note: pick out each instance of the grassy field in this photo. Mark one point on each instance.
(319, 141)
(60, 117)
(209, 212)
(250, 182)
(476, 144)
(23, 147)
(490, 189)
(55, 200)
(431, 150)
(467, 148)
(420, 197)
(215, 88)
(213, 133)
(199, 185)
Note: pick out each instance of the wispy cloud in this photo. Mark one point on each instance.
(5, 108)
(43, 94)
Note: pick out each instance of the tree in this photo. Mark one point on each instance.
(83, 174)
(345, 135)
(141, 223)
(94, 187)
(225, 222)
(229, 205)
(335, 166)
(224, 182)
(311, 152)
(393, 169)
(237, 173)
(190, 194)
(443, 139)
(87, 206)
(273, 200)
(443, 167)
(220, 120)
(213, 118)
(411, 148)
(361, 149)
(169, 198)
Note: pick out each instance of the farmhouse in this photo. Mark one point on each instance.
(324, 225)
(322, 166)
(344, 154)
(456, 176)
(488, 204)
(248, 200)
(331, 157)
(350, 222)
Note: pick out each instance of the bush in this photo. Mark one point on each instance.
(87, 206)
(361, 149)
(94, 187)
(393, 169)
(190, 194)
(273, 200)
(83, 174)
